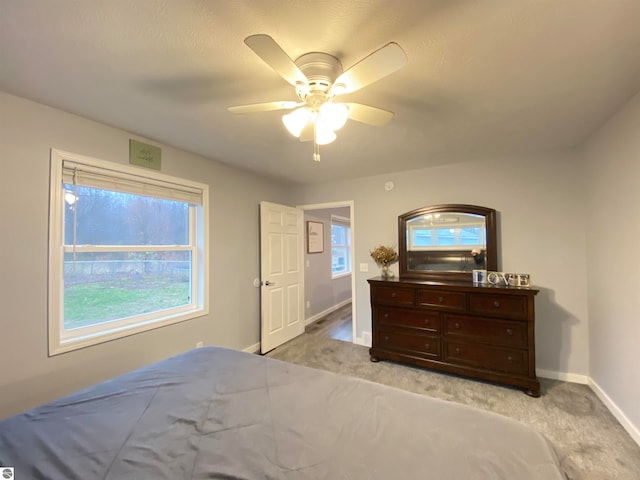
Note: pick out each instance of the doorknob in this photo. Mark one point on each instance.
(267, 283)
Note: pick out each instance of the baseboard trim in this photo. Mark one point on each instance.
(564, 376)
(616, 411)
(255, 348)
(364, 340)
(329, 310)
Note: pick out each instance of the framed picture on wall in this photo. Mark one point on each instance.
(315, 237)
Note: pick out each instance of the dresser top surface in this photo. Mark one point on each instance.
(461, 286)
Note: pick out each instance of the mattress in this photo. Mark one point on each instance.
(215, 413)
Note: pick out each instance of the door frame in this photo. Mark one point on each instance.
(341, 204)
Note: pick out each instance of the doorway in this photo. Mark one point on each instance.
(329, 274)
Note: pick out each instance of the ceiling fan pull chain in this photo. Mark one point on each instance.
(316, 152)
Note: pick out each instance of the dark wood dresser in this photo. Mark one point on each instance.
(480, 331)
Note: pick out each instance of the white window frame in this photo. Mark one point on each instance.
(128, 177)
(343, 222)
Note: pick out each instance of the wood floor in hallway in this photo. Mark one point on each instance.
(336, 325)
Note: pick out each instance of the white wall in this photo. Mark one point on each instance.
(28, 377)
(320, 290)
(541, 231)
(613, 253)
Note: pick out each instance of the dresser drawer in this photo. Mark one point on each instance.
(424, 320)
(403, 342)
(486, 357)
(394, 295)
(511, 306)
(484, 330)
(442, 299)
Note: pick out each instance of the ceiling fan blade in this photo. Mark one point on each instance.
(369, 115)
(264, 107)
(273, 55)
(372, 68)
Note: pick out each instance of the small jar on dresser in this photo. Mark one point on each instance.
(480, 331)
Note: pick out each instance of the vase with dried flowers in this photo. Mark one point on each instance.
(384, 255)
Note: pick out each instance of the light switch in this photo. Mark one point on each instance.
(364, 267)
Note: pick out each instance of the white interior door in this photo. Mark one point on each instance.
(282, 275)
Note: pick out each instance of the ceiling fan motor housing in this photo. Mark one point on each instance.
(321, 69)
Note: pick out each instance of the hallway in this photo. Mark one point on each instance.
(336, 325)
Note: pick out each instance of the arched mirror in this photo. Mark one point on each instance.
(447, 242)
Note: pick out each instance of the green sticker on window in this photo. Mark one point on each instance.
(144, 155)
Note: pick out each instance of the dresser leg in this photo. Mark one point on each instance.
(533, 393)
(372, 356)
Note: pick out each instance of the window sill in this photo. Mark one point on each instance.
(58, 346)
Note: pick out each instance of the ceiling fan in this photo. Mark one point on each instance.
(318, 79)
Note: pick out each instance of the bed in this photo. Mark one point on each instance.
(224, 414)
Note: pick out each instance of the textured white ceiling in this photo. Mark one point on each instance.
(484, 77)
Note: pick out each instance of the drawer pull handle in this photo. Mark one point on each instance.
(426, 346)
(496, 304)
(440, 299)
(386, 338)
(457, 325)
(393, 294)
(386, 315)
(457, 350)
(509, 331)
(426, 321)
(509, 358)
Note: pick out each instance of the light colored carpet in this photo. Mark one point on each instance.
(571, 415)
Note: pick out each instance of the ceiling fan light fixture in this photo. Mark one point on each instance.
(324, 133)
(334, 114)
(296, 120)
(318, 78)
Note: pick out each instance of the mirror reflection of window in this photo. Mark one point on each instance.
(452, 230)
(421, 237)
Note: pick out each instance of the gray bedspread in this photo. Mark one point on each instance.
(219, 413)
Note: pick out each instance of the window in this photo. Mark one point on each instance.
(127, 251)
(340, 246)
